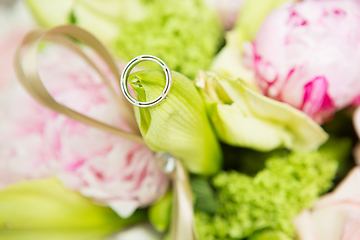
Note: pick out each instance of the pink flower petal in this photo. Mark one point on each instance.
(353, 233)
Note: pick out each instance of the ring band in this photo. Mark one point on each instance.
(126, 72)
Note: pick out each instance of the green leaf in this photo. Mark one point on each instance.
(204, 195)
(337, 148)
(179, 125)
(245, 118)
(72, 18)
(44, 209)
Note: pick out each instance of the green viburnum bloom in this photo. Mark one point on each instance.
(44, 209)
(269, 234)
(179, 125)
(271, 199)
(245, 118)
(186, 34)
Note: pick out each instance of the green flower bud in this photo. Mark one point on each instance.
(245, 118)
(179, 125)
(44, 209)
(160, 213)
(186, 34)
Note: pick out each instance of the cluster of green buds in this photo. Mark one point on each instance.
(186, 34)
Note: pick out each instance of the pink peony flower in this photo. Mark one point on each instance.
(336, 215)
(307, 54)
(36, 142)
(353, 233)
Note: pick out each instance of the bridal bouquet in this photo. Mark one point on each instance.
(257, 138)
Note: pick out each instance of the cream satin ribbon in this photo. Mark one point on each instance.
(182, 223)
(182, 226)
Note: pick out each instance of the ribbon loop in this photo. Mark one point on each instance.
(28, 75)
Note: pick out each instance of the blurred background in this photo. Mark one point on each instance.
(14, 13)
(194, 37)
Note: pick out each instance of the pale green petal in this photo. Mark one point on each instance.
(51, 13)
(251, 17)
(179, 125)
(44, 210)
(248, 119)
(229, 61)
(101, 18)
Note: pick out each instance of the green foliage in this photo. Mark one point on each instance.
(337, 148)
(271, 199)
(340, 149)
(205, 199)
(246, 160)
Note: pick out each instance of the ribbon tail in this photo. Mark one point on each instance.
(183, 222)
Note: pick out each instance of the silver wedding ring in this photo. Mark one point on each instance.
(126, 72)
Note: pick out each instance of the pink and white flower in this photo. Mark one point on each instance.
(336, 215)
(307, 54)
(36, 142)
